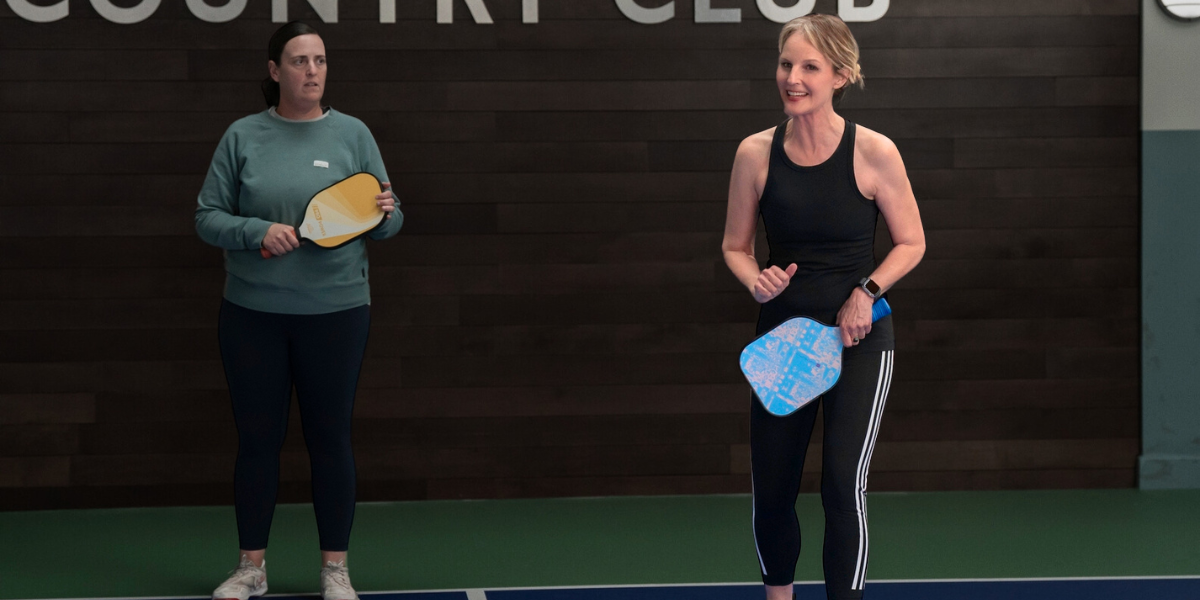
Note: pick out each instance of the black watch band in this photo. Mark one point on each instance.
(871, 288)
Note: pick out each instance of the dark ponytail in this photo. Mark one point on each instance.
(283, 35)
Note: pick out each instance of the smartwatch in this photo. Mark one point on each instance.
(871, 288)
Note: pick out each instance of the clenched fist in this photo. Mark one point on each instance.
(771, 282)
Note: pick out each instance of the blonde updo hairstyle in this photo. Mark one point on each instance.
(832, 38)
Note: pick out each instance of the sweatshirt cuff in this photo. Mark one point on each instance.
(256, 230)
(390, 226)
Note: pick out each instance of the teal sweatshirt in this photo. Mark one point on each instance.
(265, 170)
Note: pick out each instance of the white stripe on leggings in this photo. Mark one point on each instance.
(864, 460)
(871, 453)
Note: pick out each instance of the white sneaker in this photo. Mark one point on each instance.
(247, 580)
(335, 582)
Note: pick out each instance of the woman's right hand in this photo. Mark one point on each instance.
(771, 282)
(280, 239)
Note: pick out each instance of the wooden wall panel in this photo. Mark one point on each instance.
(555, 318)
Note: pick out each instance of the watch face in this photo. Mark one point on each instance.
(871, 287)
(1183, 10)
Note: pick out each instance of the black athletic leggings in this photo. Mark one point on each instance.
(777, 447)
(264, 355)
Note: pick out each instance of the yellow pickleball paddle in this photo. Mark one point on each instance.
(341, 213)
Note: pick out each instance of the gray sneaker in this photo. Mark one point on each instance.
(335, 582)
(246, 581)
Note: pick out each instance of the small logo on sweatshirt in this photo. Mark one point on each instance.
(321, 163)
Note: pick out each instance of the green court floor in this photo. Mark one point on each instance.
(601, 541)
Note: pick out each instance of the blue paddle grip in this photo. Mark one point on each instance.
(880, 310)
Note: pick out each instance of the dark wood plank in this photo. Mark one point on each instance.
(28, 409)
(1042, 152)
(39, 440)
(1100, 214)
(34, 471)
(999, 62)
(50, 378)
(673, 217)
(564, 188)
(1025, 274)
(1025, 183)
(441, 372)
(33, 128)
(999, 303)
(142, 406)
(1015, 393)
(643, 460)
(116, 344)
(1097, 91)
(1010, 424)
(100, 190)
(976, 122)
(1015, 333)
(591, 308)
(428, 157)
(541, 400)
(1034, 243)
(946, 8)
(386, 436)
(45, 64)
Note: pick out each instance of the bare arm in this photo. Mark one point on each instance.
(745, 188)
(886, 180)
(894, 197)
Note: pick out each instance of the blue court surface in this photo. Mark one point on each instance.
(1146, 588)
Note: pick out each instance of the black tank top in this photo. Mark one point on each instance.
(817, 218)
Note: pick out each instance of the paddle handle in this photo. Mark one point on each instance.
(880, 310)
(267, 253)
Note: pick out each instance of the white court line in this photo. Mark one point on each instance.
(468, 591)
(476, 595)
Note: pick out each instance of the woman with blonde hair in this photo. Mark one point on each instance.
(820, 183)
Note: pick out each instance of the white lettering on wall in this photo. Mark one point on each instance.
(872, 12)
(705, 13)
(780, 14)
(647, 16)
(39, 14)
(216, 14)
(327, 10)
(126, 16)
(479, 11)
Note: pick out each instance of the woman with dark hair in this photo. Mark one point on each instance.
(299, 319)
(820, 184)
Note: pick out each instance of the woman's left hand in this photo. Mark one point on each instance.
(385, 200)
(854, 319)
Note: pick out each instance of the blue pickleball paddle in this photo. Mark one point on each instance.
(797, 361)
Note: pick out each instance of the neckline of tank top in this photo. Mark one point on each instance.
(847, 134)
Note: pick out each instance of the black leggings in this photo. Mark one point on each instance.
(777, 447)
(264, 355)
